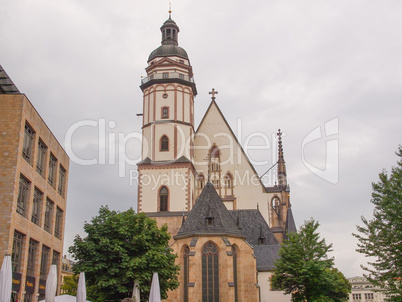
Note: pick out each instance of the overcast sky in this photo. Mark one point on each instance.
(294, 65)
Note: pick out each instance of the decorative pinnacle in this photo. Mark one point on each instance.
(213, 92)
(280, 147)
(170, 9)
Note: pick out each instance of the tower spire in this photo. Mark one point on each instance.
(282, 181)
(170, 10)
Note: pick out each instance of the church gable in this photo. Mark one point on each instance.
(233, 176)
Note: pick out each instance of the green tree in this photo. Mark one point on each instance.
(381, 237)
(70, 284)
(305, 270)
(119, 248)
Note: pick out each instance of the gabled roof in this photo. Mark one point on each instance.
(6, 85)
(254, 226)
(209, 206)
(213, 103)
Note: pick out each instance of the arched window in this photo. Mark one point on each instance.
(163, 199)
(276, 205)
(200, 181)
(186, 271)
(214, 167)
(210, 273)
(234, 252)
(229, 184)
(164, 143)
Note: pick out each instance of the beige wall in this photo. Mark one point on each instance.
(268, 295)
(15, 111)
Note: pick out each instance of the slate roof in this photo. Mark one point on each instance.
(209, 206)
(254, 226)
(6, 85)
(147, 160)
(290, 225)
(266, 256)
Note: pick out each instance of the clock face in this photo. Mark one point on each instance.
(165, 96)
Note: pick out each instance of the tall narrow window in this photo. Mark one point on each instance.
(58, 222)
(52, 170)
(164, 143)
(33, 246)
(62, 180)
(40, 163)
(165, 75)
(56, 258)
(48, 214)
(214, 167)
(27, 144)
(22, 196)
(229, 184)
(36, 206)
(201, 181)
(210, 273)
(44, 262)
(234, 252)
(163, 199)
(17, 252)
(186, 272)
(165, 112)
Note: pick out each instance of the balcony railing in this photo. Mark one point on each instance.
(167, 75)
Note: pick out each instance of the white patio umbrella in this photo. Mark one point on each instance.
(155, 294)
(136, 292)
(6, 277)
(51, 284)
(81, 289)
(63, 298)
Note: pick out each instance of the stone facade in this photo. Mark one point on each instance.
(364, 291)
(33, 191)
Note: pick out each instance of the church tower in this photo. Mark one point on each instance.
(166, 172)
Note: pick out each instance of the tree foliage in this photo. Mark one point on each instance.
(381, 237)
(305, 270)
(119, 248)
(70, 284)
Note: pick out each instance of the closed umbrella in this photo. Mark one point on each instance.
(136, 292)
(51, 284)
(6, 277)
(155, 294)
(81, 289)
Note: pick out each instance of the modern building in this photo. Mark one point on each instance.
(226, 224)
(33, 190)
(363, 291)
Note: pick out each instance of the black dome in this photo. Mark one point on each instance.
(167, 50)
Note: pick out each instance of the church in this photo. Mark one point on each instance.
(226, 225)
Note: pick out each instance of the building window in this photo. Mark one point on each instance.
(165, 112)
(17, 251)
(58, 222)
(357, 296)
(214, 167)
(276, 205)
(201, 181)
(36, 206)
(56, 258)
(165, 75)
(44, 262)
(27, 144)
(22, 196)
(186, 273)
(181, 76)
(164, 143)
(229, 184)
(234, 253)
(48, 214)
(163, 199)
(62, 181)
(33, 246)
(52, 170)
(40, 163)
(369, 296)
(210, 273)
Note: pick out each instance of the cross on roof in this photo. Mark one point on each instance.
(213, 92)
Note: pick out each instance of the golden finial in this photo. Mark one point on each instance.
(170, 9)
